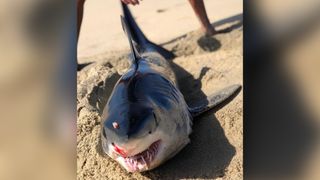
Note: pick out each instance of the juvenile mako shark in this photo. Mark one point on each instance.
(146, 120)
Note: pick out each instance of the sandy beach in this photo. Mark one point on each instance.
(203, 66)
(160, 20)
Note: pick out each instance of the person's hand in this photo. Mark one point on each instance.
(133, 2)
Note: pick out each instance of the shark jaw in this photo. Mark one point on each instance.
(141, 161)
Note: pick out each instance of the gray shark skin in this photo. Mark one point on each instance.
(146, 120)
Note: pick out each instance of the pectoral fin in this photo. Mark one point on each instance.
(214, 100)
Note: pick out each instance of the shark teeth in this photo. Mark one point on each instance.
(142, 160)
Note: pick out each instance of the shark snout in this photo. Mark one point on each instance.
(124, 151)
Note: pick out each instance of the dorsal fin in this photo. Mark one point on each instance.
(133, 44)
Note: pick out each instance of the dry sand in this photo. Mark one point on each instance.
(203, 66)
(161, 20)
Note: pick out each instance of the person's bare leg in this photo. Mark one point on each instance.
(80, 4)
(200, 11)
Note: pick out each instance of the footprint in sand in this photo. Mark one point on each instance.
(161, 10)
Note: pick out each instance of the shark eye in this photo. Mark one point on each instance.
(150, 132)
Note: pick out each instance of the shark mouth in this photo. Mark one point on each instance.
(142, 160)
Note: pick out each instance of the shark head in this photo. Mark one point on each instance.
(141, 133)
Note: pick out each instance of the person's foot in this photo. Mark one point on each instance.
(209, 31)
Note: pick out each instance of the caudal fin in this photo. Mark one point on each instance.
(136, 34)
(133, 45)
(140, 43)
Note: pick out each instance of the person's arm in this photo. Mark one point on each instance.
(133, 2)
